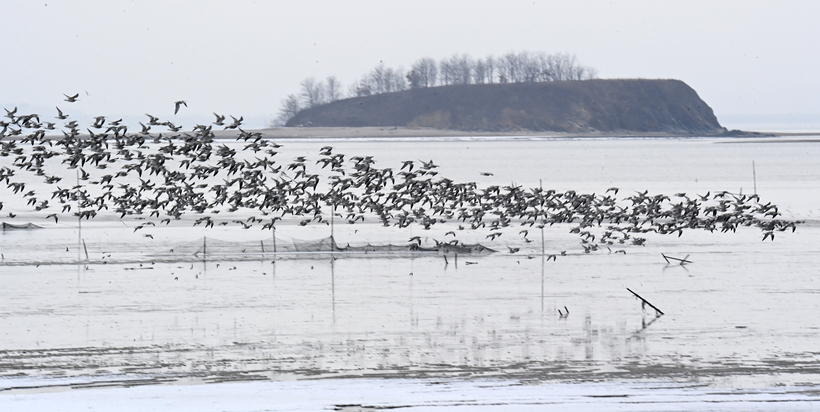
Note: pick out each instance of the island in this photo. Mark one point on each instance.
(587, 107)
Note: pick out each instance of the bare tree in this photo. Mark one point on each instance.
(516, 64)
(458, 69)
(352, 89)
(446, 72)
(394, 80)
(287, 109)
(388, 81)
(479, 72)
(463, 69)
(563, 66)
(531, 67)
(414, 79)
(574, 71)
(399, 81)
(430, 72)
(362, 88)
(491, 68)
(509, 68)
(332, 91)
(542, 61)
(377, 80)
(423, 73)
(313, 92)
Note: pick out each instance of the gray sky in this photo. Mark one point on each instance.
(127, 58)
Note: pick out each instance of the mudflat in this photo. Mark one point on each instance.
(389, 132)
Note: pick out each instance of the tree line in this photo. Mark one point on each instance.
(520, 67)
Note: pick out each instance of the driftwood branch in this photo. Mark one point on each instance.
(682, 261)
(645, 302)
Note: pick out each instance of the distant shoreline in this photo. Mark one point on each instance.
(420, 133)
(404, 132)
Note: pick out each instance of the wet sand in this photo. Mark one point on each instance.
(404, 132)
(113, 308)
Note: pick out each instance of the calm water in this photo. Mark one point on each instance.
(138, 307)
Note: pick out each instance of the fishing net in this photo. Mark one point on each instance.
(213, 248)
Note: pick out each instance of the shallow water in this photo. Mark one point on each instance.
(108, 302)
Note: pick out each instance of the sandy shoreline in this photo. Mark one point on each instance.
(403, 132)
(301, 133)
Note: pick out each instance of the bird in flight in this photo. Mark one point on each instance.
(71, 99)
(220, 120)
(179, 103)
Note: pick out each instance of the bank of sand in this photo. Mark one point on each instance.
(403, 132)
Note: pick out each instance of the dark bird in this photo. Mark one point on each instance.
(407, 163)
(71, 99)
(236, 123)
(179, 103)
(220, 120)
(564, 314)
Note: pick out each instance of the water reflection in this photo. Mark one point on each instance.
(395, 313)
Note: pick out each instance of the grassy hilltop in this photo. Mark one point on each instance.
(584, 106)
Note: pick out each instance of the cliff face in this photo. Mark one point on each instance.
(578, 106)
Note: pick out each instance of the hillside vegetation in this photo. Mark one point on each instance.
(598, 105)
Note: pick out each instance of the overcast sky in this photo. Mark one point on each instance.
(126, 58)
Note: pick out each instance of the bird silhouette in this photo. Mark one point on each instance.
(179, 103)
(170, 174)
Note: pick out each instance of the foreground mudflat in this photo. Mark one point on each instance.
(108, 307)
(421, 395)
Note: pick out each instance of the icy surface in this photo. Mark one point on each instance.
(419, 395)
(140, 316)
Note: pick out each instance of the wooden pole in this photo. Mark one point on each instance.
(541, 186)
(646, 302)
(332, 218)
(754, 176)
(79, 218)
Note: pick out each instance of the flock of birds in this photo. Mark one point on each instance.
(160, 173)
